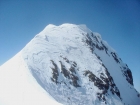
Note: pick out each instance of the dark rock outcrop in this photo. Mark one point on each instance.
(55, 73)
(128, 74)
(104, 83)
(115, 57)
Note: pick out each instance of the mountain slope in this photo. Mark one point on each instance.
(74, 66)
(18, 87)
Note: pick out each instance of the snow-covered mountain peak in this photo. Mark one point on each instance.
(76, 67)
(72, 31)
(64, 27)
(76, 60)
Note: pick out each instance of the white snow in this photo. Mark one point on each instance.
(26, 78)
(18, 87)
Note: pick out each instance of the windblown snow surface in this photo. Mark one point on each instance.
(67, 64)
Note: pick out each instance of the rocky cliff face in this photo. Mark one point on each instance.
(76, 67)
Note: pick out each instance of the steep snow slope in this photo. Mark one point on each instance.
(76, 67)
(70, 63)
(18, 87)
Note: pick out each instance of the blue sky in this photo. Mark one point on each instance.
(118, 21)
